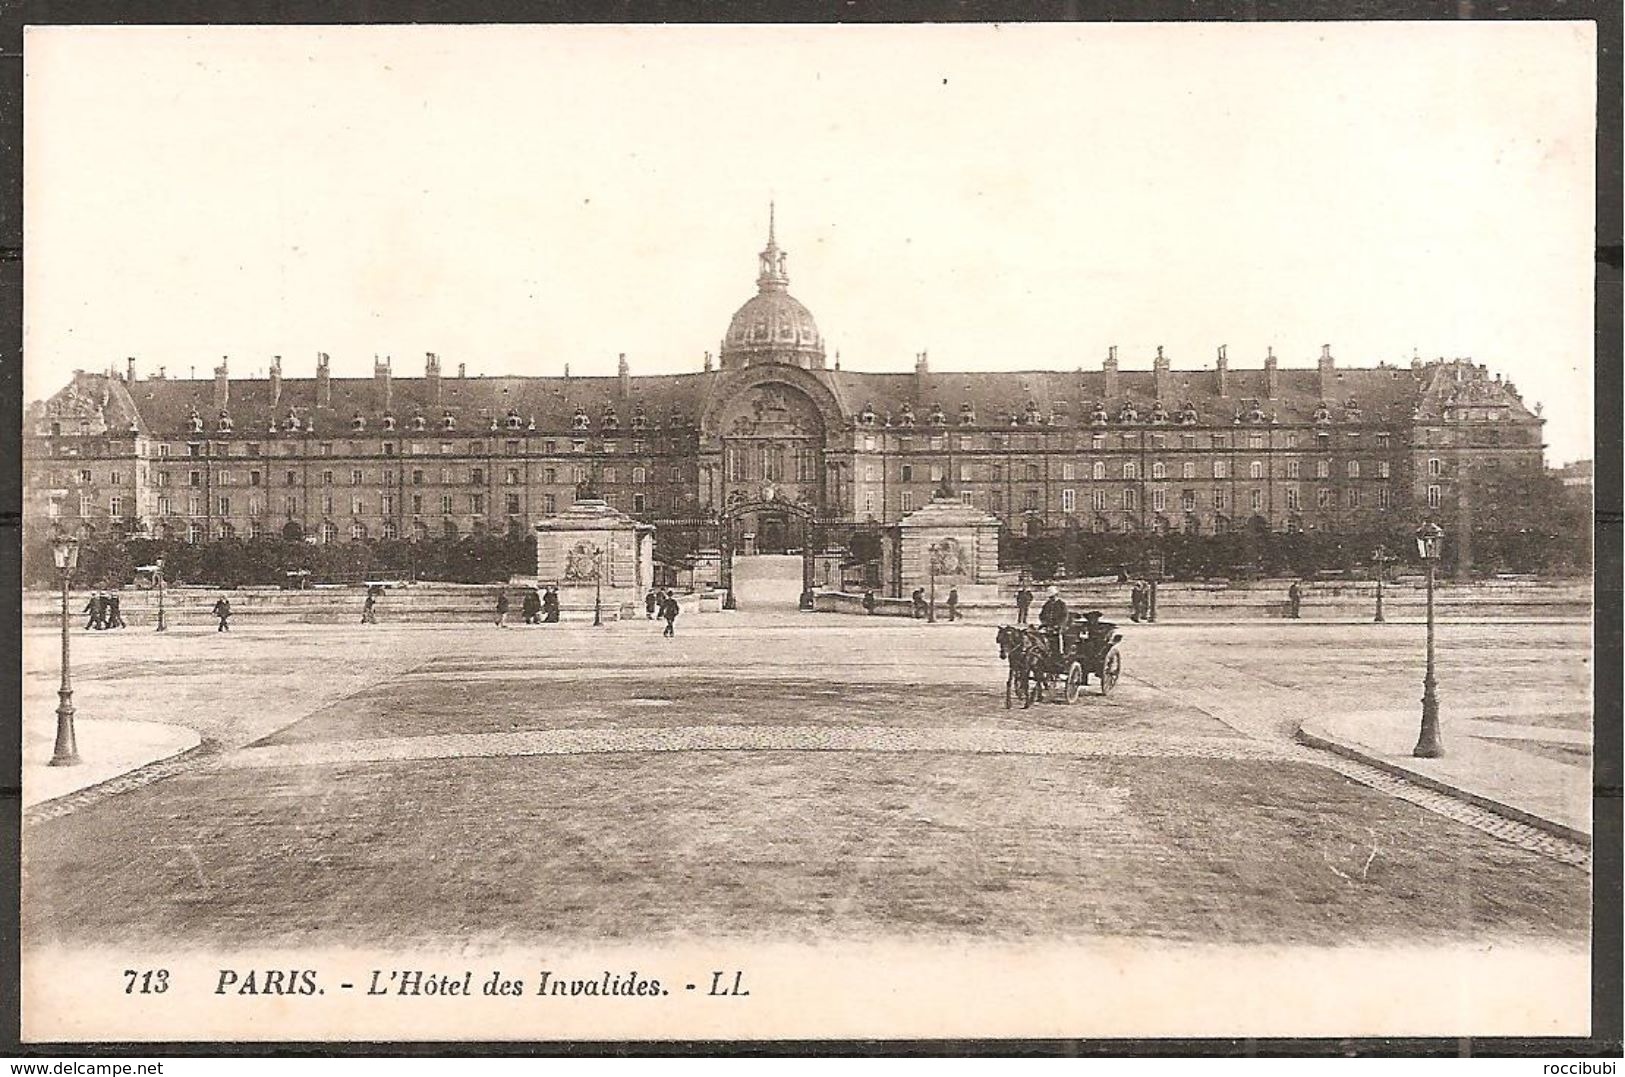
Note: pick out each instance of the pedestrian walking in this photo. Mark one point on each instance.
(114, 618)
(550, 606)
(502, 608)
(651, 604)
(1294, 600)
(1024, 602)
(668, 613)
(1136, 601)
(531, 606)
(369, 608)
(953, 604)
(919, 603)
(222, 610)
(93, 610)
(869, 602)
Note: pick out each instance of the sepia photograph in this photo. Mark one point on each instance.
(650, 533)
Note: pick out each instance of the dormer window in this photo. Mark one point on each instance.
(1030, 416)
(448, 421)
(967, 414)
(291, 422)
(907, 417)
(675, 419)
(1323, 414)
(867, 416)
(1159, 414)
(609, 421)
(224, 423)
(419, 422)
(937, 417)
(1097, 415)
(389, 421)
(357, 422)
(514, 421)
(194, 421)
(580, 421)
(532, 424)
(1127, 413)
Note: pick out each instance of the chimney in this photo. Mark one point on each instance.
(922, 367)
(324, 384)
(431, 376)
(708, 362)
(1272, 378)
(1328, 373)
(624, 373)
(1165, 381)
(1223, 372)
(922, 364)
(1110, 367)
(380, 378)
(276, 380)
(129, 374)
(222, 386)
(462, 370)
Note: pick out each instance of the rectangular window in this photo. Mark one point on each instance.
(389, 448)
(1323, 498)
(1255, 441)
(115, 507)
(511, 476)
(1221, 469)
(1257, 500)
(936, 473)
(578, 445)
(194, 449)
(1130, 501)
(1292, 469)
(1352, 498)
(908, 501)
(445, 504)
(476, 447)
(1354, 469)
(908, 472)
(512, 504)
(1382, 469)
(1221, 441)
(327, 504)
(355, 478)
(447, 476)
(327, 478)
(1382, 497)
(476, 476)
(1029, 500)
(1292, 498)
(1218, 499)
(417, 503)
(609, 476)
(550, 503)
(356, 507)
(1382, 440)
(163, 450)
(637, 503)
(163, 478)
(255, 506)
(225, 478)
(290, 505)
(1433, 497)
(1069, 500)
(511, 447)
(164, 507)
(1159, 500)
(938, 442)
(869, 504)
(550, 474)
(386, 504)
(193, 478)
(445, 448)
(1069, 471)
(1032, 472)
(965, 497)
(253, 478)
(1098, 499)
(1187, 470)
(476, 504)
(327, 448)
(868, 473)
(1323, 469)
(965, 473)
(1187, 501)
(1435, 467)
(115, 478)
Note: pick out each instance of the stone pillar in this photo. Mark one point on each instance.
(960, 541)
(592, 550)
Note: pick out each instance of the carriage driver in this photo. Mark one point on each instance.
(1054, 613)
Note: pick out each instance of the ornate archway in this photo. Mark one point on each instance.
(797, 520)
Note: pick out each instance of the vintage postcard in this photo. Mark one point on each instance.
(638, 532)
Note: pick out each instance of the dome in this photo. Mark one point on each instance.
(773, 326)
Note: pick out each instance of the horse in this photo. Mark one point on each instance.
(1027, 651)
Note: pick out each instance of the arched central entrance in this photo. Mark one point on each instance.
(769, 532)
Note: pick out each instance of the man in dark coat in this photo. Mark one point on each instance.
(550, 606)
(115, 619)
(669, 609)
(222, 610)
(531, 606)
(1053, 614)
(953, 604)
(1024, 601)
(1294, 600)
(1136, 601)
(93, 610)
(919, 603)
(502, 608)
(651, 602)
(869, 602)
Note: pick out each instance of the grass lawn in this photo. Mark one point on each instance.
(789, 845)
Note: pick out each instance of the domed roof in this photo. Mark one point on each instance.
(773, 326)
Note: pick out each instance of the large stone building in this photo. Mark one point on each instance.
(774, 436)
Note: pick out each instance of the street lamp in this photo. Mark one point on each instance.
(1428, 538)
(597, 587)
(1382, 558)
(158, 575)
(65, 552)
(931, 576)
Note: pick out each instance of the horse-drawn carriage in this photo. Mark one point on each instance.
(1044, 659)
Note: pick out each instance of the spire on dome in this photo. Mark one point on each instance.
(773, 275)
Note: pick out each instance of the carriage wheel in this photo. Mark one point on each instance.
(1111, 668)
(1074, 682)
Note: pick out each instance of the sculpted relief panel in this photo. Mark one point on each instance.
(772, 411)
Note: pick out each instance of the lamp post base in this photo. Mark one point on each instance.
(66, 753)
(1427, 744)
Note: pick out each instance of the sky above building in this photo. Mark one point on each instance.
(1001, 197)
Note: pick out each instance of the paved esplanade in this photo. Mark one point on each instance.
(783, 772)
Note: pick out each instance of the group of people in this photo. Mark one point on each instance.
(662, 603)
(103, 611)
(536, 607)
(922, 606)
(1140, 602)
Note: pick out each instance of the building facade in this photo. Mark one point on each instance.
(1326, 447)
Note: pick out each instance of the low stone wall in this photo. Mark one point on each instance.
(412, 603)
(1259, 600)
(841, 602)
